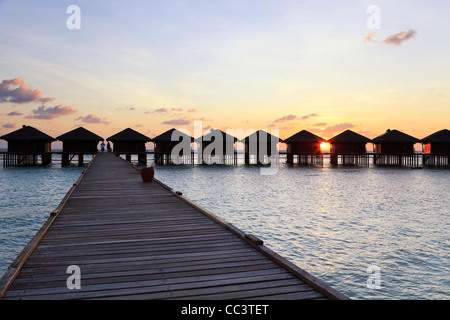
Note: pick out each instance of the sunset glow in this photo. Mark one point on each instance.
(321, 66)
(325, 147)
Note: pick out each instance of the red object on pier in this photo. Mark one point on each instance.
(147, 174)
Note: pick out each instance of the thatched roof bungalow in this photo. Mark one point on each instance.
(304, 142)
(165, 142)
(394, 142)
(28, 140)
(348, 142)
(217, 136)
(80, 140)
(129, 141)
(437, 143)
(253, 143)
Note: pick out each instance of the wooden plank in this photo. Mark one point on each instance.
(154, 285)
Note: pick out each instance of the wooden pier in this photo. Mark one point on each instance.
(135, 240)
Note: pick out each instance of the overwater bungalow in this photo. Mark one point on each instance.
(78, 142)
(25, 145)
(436, 149)
(259, 146)
(437, 143)
(395, 148)
(350, 147)
(165, 142)
(394, 142)
(304, 147)
(218, 147)
(130, 142)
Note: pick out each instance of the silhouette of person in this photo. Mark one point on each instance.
(103, 146)
(108, 147)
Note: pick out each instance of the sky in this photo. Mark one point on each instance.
(323, 66)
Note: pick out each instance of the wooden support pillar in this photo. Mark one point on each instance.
(65, 159)
(80, 159)
(142, 159)
(46, 158)
(290, 158)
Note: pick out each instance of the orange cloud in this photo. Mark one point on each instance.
(17, 91)
(14, 113)
(51, 113)
(92, 119)
(179, 122)
(398, 38)
(370, 36)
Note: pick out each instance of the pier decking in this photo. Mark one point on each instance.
(135, 240)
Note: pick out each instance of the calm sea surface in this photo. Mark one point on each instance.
(332, 222)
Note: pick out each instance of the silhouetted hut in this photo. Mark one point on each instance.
(351, 146)
(437, 143)
(395, 148)
(260, 145)
(219, 147)
(436, 149)
(130, 142)
(25, 144)
(394, 142)
(303, 146)
(79, 141)
(165, 142)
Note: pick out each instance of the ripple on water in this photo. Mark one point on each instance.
(336, 223)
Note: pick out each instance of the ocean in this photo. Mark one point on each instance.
(371, 233)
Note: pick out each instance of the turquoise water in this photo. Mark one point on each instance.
(332, 222)
(27, 196)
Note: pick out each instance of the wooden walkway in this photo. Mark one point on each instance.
(135, 240)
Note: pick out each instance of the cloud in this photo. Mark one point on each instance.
(51, 113)
(329, 131)
(370, 36)
(177, 109)
(9, 125)
(320, 124)
(289, 117)
(17, 91)
(179, 122)
(129, 107)
(192, 111)
(309, 116)
(398, 38)
(92, 119)
(14, 113)
(161, 110)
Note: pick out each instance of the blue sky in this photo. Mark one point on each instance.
(231, 64)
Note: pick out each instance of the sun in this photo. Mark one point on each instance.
(324, 146)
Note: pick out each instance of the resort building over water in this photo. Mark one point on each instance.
(165, 142)
(350, 147)
(303, 148)
(218, 147)
(395, 148)
(79, 141)
(259, 146)
(26, 145)
(29, 146)
(436, 149)
(130, 142)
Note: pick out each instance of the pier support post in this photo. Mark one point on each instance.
(80, 159)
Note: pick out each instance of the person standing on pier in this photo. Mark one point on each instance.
(103, 146)
(108, 147)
